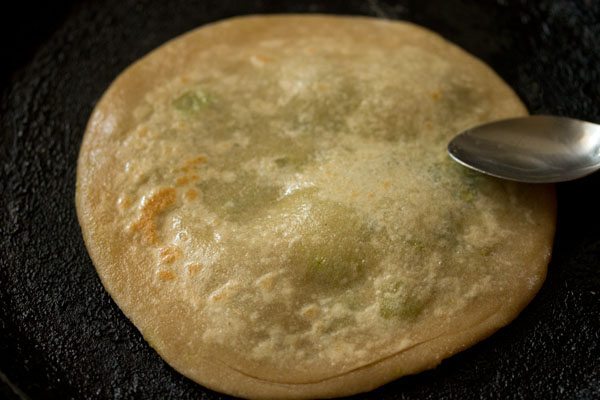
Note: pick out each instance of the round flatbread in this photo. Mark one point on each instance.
(269, 200)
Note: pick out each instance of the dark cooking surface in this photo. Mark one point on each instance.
(61, 336)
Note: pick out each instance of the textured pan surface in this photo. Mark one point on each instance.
(62, 336)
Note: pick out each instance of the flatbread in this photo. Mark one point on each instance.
(269, 200)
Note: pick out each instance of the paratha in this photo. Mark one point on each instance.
(269, 200)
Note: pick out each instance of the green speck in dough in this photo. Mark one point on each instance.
(471, 184)
(334, 250)
(191, 101)
(486, 251)
(281, 162)
(397, 301)
(467, 195)
(240, 199)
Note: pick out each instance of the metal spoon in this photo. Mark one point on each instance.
(536, 149)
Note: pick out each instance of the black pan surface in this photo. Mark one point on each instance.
(62, 337)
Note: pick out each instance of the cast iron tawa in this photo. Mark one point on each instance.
(61, 335)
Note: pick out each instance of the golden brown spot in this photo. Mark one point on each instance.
(371, 195)
(166, 275)
(193, 269)
(194, 162)
(436, 95)
(263, 58)
(184, 180)
(428, 124)
(387, 184)
(152, 208)
(169, 254)
(191, 194)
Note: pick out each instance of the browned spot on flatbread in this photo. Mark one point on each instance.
(262, 58)
(194, 268)
(194, 162)
(191, 194)
(186, 179)
(169, 254)
(182, 180)
(152, 208)
(165, 275)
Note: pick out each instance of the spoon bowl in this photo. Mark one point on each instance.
(535, 149)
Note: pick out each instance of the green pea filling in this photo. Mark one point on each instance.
(242, 198)
(191, 101)
(334, 249)
(397, 301)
